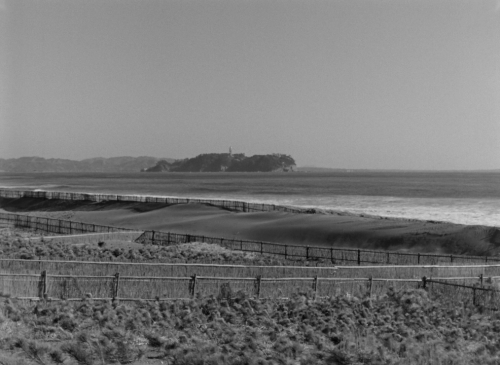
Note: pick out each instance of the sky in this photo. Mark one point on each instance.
(377, 84)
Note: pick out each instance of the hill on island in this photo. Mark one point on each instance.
(98, 164)
(216, 162)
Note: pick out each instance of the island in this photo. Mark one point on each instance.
(227, 162)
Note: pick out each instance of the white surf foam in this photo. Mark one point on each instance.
(461, 211)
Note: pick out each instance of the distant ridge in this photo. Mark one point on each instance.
(98, 164)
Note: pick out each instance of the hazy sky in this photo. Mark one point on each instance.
(352, 84)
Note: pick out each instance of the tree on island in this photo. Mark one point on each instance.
(216, 162)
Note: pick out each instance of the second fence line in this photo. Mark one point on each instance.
(328, 255)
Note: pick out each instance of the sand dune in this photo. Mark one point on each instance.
(337, 230)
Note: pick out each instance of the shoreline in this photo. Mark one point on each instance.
(469, 199)
(296, 209)
(318, 228)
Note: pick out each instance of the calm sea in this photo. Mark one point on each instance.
(460, 197)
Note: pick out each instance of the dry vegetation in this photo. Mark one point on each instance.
(16, 243)
(399, 327)
(404, 327)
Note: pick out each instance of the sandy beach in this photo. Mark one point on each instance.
(330, 230)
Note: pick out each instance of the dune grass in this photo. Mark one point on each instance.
(401, 327)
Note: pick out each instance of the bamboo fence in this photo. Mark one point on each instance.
(187, 269)
(159, 269)
(148, 279)
(47, 286)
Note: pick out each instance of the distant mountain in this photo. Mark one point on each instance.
(99, 164)
(216, 162)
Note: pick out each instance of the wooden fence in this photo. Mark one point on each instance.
(46, 286)
(322, 255)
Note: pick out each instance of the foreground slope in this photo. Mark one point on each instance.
(401, 327)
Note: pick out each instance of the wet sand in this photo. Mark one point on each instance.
(330, 230)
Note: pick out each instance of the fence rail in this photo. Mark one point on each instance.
(394, 272)
(322, 255)
(476, 293)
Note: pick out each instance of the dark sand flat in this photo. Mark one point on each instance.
(330, 230)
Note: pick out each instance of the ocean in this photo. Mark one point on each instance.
(459, 197)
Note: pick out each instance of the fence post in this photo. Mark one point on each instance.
(286, 252)
(424, 282)
(315, 286)
(481, 280)
(359, 256)
(331, 255)
(65, 293)
(153, 237)
(418, 259)
(388, 260)
(307, 253)
(47, 227)
(474, 296)
(241, 245)
(451, 258)
(42, 285)
(45, 286)
(257, 285)
(193, 285)
(261, 248)
(116, 285)
(168, 238)
(70, 227)
(370, 279)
